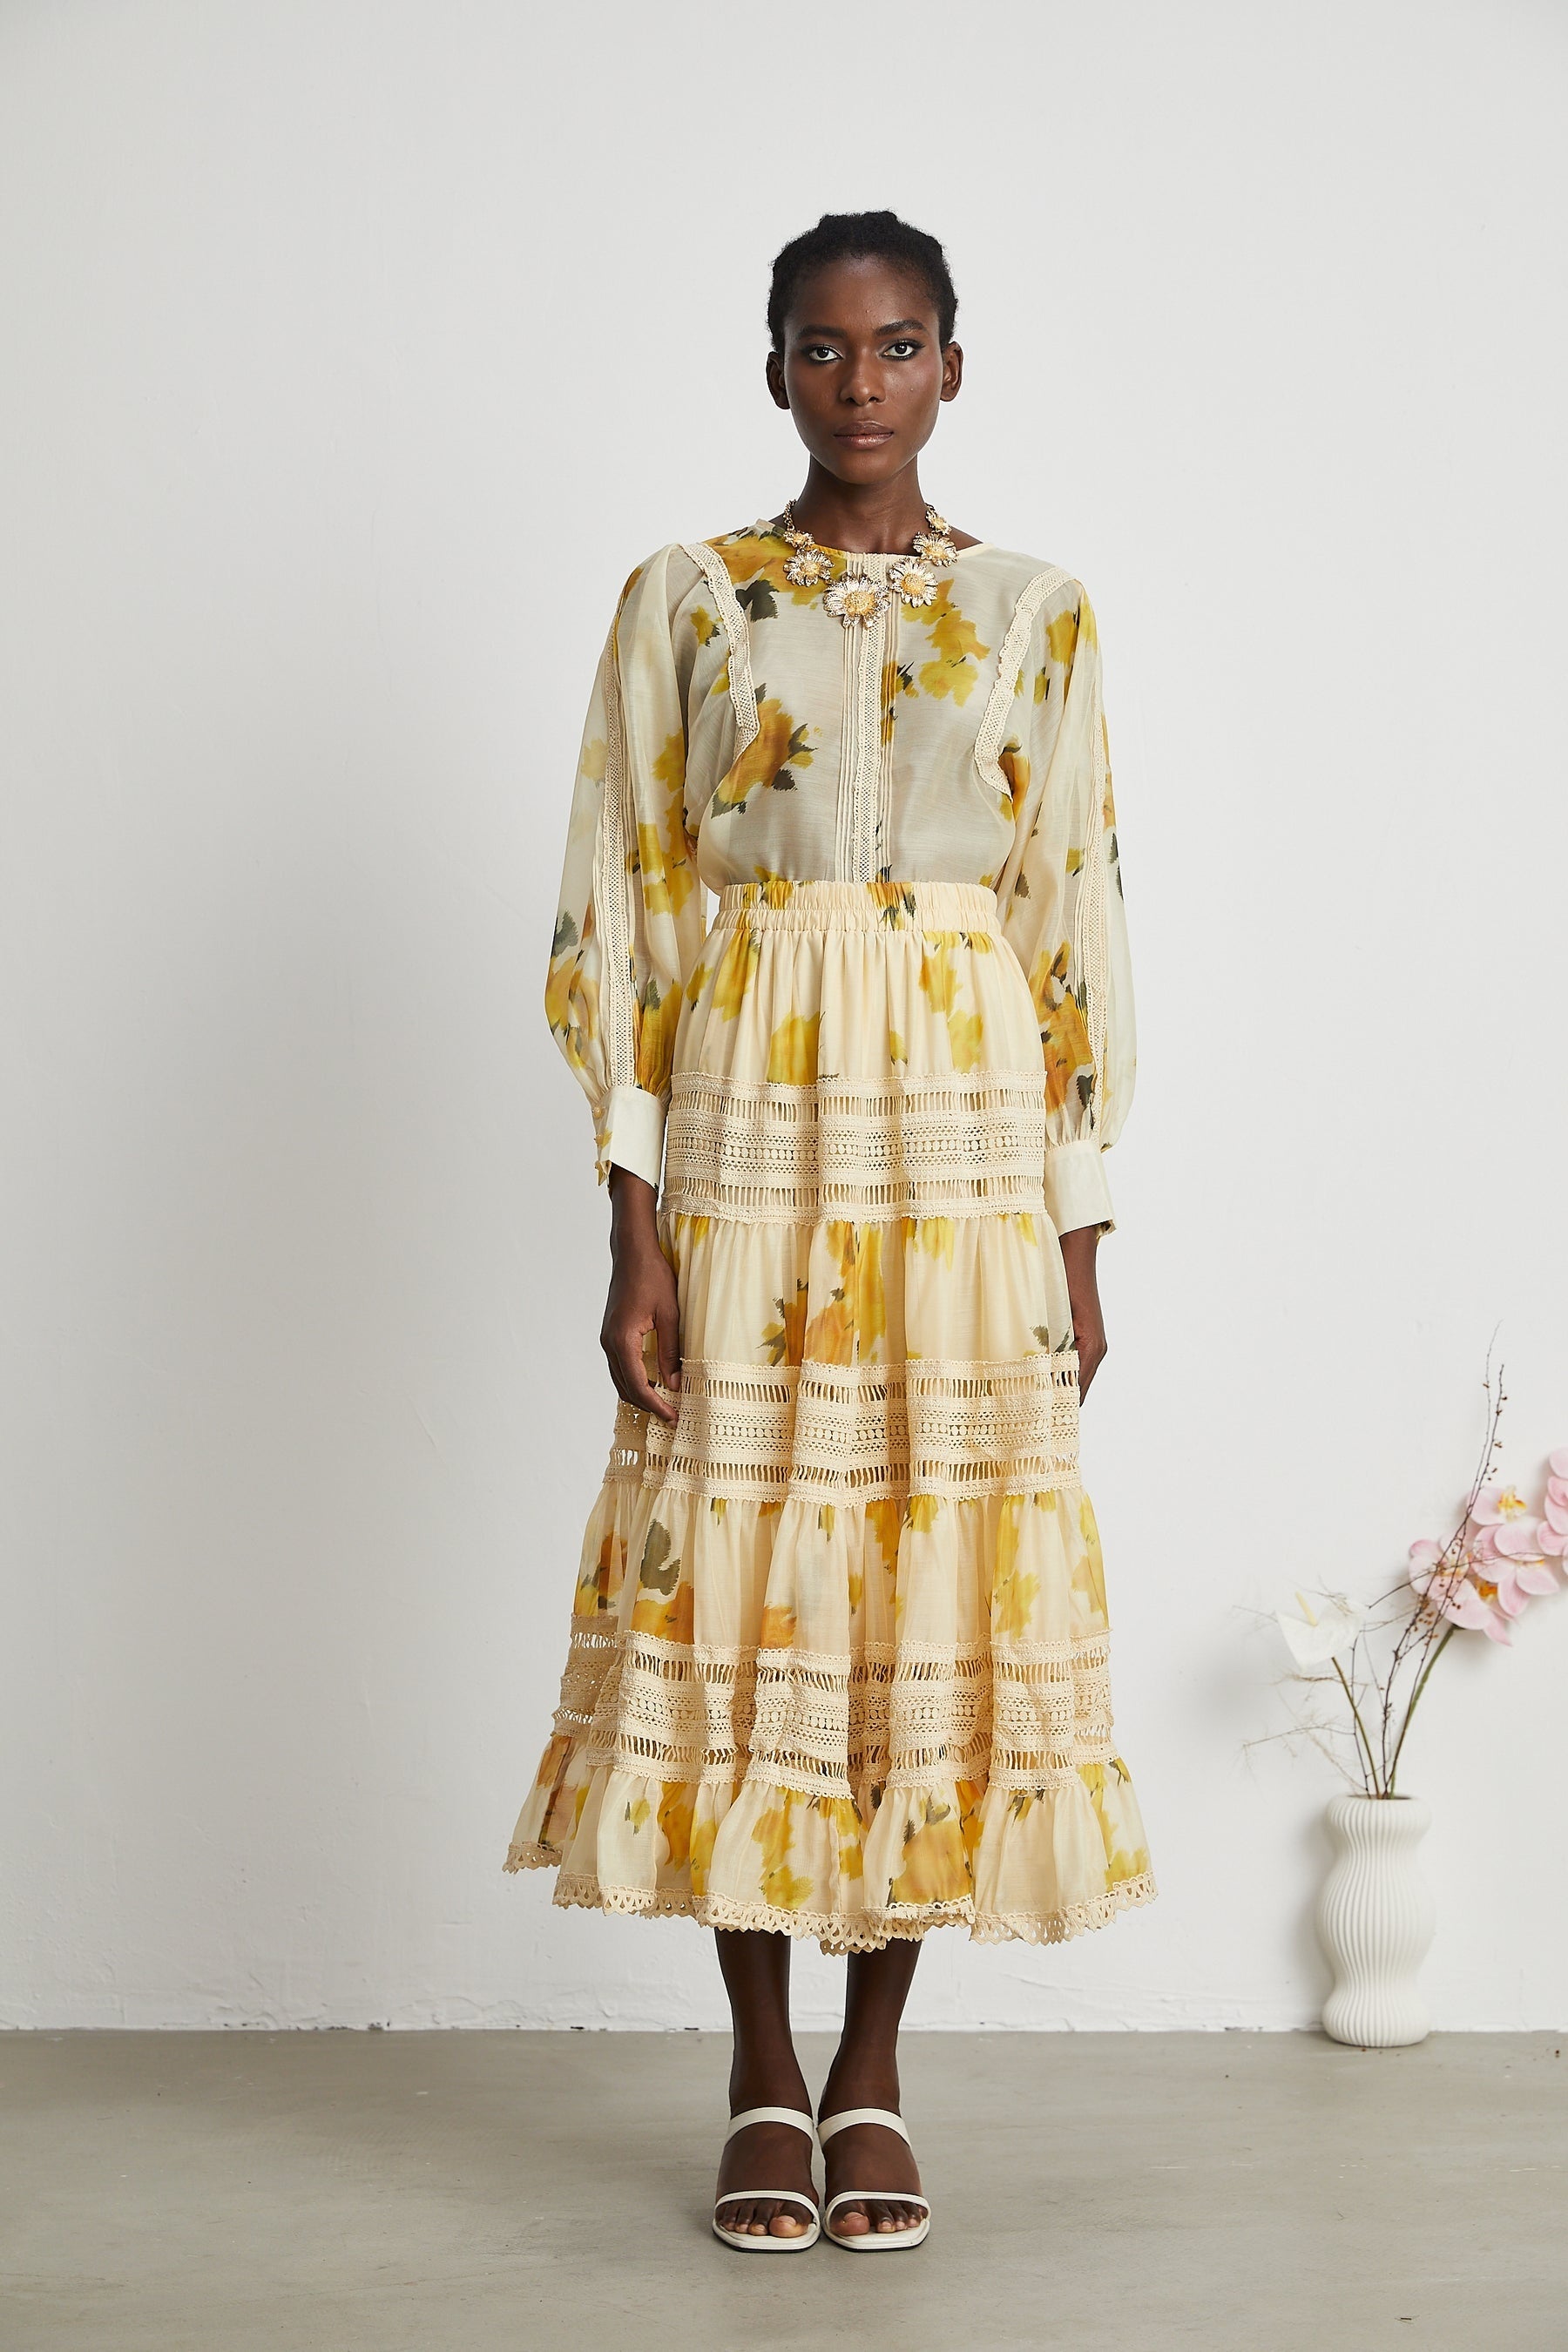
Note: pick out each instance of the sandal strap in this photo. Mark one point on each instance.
(769, 2115)
(778, 2196)
(841, 2122)
(875, 2197)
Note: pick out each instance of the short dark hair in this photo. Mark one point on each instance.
(862, 237)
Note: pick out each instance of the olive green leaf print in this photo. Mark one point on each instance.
(657, 1568)
(756, 599)
(784, 1340)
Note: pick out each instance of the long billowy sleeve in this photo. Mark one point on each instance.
(629, 923)
(1063, 908)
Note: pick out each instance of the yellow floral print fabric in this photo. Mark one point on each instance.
(737, 732)
(839, 1658)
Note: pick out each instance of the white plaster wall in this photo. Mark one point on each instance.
(354, 354)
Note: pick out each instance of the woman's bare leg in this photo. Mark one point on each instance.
(764, 2072)
(865, 2074)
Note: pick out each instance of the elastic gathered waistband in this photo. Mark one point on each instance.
(857, 906)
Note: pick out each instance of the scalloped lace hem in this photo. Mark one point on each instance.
(869, 1932)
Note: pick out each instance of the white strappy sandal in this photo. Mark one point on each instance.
(872, 2241)
(766, 2243)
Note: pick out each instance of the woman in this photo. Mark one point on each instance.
(838, 1660)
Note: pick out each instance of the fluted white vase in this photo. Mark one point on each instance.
(1376, 1919)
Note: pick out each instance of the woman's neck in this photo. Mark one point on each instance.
(862, 518)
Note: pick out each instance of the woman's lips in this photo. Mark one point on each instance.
(864, 436)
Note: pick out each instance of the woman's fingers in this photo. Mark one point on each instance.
(623, 1346)
(667, 1328)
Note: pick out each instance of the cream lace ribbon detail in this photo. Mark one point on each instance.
(942, 1146)
(1019, 1715)
(856, 1432)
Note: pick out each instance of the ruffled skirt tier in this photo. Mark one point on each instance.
(839, 1657)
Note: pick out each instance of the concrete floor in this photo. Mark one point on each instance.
(456, 2192)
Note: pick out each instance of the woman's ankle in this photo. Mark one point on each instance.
(861, 2077)
(767, 2078)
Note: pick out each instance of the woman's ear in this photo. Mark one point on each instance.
(776, 381)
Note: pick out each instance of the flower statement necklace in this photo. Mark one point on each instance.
(857, 597)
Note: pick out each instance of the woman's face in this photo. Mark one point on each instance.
(863, 371)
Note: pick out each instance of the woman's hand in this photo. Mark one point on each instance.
(1079, 1251)
(643, 1297)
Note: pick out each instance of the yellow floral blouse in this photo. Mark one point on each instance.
(739, 732)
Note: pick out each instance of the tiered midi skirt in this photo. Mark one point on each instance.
(838, 1661)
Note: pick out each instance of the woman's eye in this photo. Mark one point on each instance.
(819, 351)
(903, 349)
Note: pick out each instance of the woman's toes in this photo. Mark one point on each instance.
(787, 2223)
(851, 2221)
(887, 2219)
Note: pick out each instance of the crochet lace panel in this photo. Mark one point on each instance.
(743, 694)
(854, 1432)
(960, 1146)
(1009, 665)
(1022, 1715)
